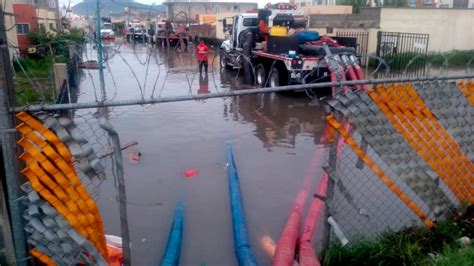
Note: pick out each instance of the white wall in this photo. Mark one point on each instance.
(449, 29)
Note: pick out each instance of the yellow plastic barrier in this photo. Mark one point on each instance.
(467, 90)
(48, 134)
(448, 142)
(385, 179)
(42, 257)
(386, 106)
(426, 137)
(50, 170)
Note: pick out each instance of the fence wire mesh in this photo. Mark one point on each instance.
(420, 138)
(362, 204)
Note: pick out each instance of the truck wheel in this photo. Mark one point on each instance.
(224, 61)
(261, 75)
(273, 78)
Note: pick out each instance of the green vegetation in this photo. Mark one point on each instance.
(33, 80)
(118, 28)
(33, 74)
(454, 59)
(58, 41)
(358, 4)
(455, 256)
(411, 246)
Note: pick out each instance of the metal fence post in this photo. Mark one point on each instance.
(117, 156)
(331, 170)
(8, 144)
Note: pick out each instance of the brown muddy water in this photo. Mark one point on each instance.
(273, 137)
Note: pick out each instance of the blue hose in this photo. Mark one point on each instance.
(239, 228)
(175, 238)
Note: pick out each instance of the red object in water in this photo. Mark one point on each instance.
(190, 172)
(134, 156)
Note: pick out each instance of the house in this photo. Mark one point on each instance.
(25, 16)
(187, 10)
(306, 3)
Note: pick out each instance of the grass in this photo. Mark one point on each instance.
(410, 246)
(38, 71)
(38, 67)
(454, 58)
(454, 256)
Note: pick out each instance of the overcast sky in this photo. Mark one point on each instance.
(261, 3)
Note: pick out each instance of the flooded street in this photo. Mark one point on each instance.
(274, 137)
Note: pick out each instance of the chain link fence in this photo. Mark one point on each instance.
(417, 143)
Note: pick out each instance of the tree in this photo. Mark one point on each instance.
(356, 4)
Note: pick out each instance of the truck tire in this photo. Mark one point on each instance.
(261, 75)
(273, 78)
(224, 63)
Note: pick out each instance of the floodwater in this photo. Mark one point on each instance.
(274, 137)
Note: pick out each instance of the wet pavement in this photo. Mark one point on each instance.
(274, 137)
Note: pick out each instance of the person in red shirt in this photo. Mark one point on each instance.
(201, 51)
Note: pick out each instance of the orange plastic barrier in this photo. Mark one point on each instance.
(50, 170)
(447, 142)
(42, 257)
(468, 90)
(385, 179)
(437, 147)
(422, 143)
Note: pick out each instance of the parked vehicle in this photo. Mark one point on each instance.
(273, 47)
(106, 31)
(170, 33)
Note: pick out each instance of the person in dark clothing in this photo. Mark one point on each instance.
(201, 52)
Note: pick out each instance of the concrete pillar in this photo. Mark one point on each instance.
(60, 75)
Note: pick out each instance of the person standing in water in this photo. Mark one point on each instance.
(201, 51)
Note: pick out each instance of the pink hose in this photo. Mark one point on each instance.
(353, 76)
(307, 254)
(359, 74)
(285, 250)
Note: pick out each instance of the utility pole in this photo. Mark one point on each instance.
(9, 151)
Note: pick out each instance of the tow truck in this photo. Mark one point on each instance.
(271, 61)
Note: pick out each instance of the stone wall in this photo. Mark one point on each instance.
(367, 18)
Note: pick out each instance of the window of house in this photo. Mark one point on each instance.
(52, 3)
(51, 26)
(428, 2)
(22, 28)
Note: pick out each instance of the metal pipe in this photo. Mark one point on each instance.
(17, 250)
(117, 155)
(237, 92)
